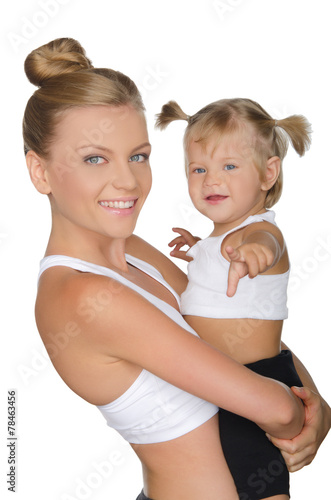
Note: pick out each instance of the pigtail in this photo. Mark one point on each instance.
(170, 112)
(298, 130)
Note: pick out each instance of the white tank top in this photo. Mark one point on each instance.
(151, 410)
(263, 297)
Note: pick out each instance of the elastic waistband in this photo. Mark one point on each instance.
(280, 367)
(283, 356)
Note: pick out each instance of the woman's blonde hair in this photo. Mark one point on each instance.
(66, 79)
(230, 115)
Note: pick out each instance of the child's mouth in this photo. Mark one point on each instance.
(214, 198)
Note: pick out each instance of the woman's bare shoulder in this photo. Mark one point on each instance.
(88, 317)
(66, 296)
(78, 317)
(139, 248)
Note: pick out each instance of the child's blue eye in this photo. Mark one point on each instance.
(199, 170)
(229, 167)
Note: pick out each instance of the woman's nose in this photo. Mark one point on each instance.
(124, 177)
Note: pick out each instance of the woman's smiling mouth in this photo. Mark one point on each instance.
(118, 204)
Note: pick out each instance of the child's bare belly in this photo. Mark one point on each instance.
(245, 340)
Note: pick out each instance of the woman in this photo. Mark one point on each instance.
(87, 149)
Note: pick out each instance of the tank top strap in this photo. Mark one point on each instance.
(90, 267)
(268, 216)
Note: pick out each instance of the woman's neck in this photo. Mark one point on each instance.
(88, 246)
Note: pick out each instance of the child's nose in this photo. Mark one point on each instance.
(213, 178)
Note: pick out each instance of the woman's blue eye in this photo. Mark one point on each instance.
(95, 160)
(229, 167)
(138, 158)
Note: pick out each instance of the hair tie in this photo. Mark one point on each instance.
(276, 123)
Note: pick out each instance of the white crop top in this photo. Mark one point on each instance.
(263, 297)
(151, 410)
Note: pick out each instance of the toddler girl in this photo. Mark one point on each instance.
(238, 276)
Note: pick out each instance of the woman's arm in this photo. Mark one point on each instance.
(301, 450)
(134, 330)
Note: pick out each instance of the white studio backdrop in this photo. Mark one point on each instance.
(193, 51)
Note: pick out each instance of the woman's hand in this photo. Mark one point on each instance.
(185, 238)
(301, 450)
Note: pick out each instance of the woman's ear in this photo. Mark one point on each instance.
(271, 173)
(37, 171)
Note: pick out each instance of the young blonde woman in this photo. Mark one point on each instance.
(129, 351)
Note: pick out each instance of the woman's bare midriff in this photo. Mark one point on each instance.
(189, 467)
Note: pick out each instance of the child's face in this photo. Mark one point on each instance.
(224, 183)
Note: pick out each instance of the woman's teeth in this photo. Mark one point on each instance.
(117, 204)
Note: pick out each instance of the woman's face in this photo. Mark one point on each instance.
(98, 170)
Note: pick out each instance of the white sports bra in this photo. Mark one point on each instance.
(151, 410)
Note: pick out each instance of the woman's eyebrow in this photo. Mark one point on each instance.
(143, 145)
(103, 148)
(97, 146)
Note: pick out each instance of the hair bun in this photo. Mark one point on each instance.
(61, 56)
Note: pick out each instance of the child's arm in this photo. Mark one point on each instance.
(260, 249)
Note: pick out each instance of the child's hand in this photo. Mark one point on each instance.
(185, 238)
(249, 258)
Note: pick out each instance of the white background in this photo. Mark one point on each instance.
(193, 51)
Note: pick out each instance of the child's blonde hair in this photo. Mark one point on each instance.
(67, 79)
(229, 115)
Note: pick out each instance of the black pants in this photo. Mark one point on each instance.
(257, 466)
(142, 496)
